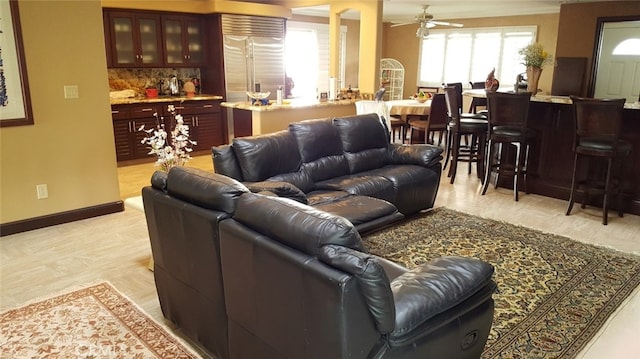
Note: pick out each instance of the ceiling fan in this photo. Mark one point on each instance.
(426, 22)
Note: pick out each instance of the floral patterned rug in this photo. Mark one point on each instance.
(93, 322)
(553, 293)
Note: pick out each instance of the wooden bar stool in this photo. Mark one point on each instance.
(459, 127)
(597, 137)
(508, 116)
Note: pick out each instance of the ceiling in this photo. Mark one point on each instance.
(404, 11)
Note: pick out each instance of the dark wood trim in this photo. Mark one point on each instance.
(596, 48)
(60, 218)
(22, 68)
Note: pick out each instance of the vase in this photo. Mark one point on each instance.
(533, 76)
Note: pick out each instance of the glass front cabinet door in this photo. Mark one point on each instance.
(135, 39)
(183, 40)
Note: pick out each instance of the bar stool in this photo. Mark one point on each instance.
(597, 137)
(508, 116)
(459, 127)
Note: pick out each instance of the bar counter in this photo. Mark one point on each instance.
(551, 155)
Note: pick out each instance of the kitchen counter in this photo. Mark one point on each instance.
(159, 99)
(287, 104)
(244, 119)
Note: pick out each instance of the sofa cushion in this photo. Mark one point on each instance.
(320, 148)
(299, 179)
(361, 209)
(364, 141)
(361, 184)
(294, 224)
(225, 162)
(264, 156)
(280, 189)
(205, 189)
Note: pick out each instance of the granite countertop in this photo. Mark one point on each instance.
(546, 98)
(287, 105)
(142, 99)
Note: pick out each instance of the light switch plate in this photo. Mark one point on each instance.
(71, 91)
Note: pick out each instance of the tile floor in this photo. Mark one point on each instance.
(115, 247)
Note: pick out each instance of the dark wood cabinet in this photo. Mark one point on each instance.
(154, 39)
(183, 40)
(127, 120)
(202, 117)
(205, 123)
(133, 39)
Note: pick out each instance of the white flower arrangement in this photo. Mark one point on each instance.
(175, 153)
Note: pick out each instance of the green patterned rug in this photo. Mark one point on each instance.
(553, 293)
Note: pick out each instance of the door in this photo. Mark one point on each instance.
(618, 70)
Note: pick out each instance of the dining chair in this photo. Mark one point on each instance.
(508, 120)
(436, 122)
(597, 138)
(456, 129)
(477, 101)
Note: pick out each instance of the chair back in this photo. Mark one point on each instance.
(598, 119)
(508, 110)
(438, 114)
(451, 100)
(477, 85)
(379, 107)
(458, 92)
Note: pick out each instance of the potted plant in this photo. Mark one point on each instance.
(534, 57)
(173, 151)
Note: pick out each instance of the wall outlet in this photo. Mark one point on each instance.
(42, 191)
(71, 91)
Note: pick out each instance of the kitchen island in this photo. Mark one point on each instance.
(551, 155)
(245, 119)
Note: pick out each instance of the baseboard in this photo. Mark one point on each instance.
(60, 218)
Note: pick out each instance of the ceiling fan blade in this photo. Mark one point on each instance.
(444, 23)
(403, 23)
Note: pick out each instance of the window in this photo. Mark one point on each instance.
(307, 57)
(463, 55)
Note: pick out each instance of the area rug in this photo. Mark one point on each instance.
(554, 293)
(93, 322)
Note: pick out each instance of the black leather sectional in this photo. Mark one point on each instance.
(345, 166)
(256, 275)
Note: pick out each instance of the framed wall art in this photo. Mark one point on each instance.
(15, 102)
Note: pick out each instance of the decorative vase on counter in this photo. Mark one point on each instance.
(533, 76)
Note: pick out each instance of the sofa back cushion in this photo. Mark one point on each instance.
(364, 141)
(264, 156)
(297, 225)
(320, 149)
(204, 189)
(225, 162)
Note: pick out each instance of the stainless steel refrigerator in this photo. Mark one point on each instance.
(253, 54)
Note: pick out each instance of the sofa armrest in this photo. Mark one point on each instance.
(372, 278)
(280, 189)
(423, 155)
(435, 287)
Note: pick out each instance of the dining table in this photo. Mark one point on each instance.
(403, 108)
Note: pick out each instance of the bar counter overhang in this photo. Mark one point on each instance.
(551, 156)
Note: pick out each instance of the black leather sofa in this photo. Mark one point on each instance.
(345, 166)
(254, 275)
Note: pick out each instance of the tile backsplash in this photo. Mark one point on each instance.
(140, 79)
